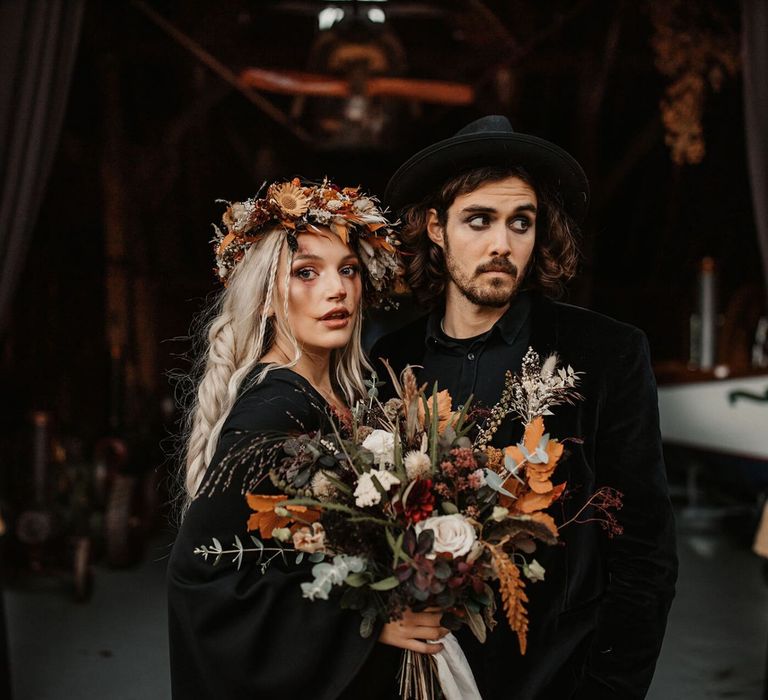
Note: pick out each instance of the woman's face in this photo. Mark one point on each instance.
(324, 291)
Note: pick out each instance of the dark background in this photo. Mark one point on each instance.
(152, 138)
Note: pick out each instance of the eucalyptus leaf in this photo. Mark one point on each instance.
(366, 627)
(386, 584)
(302, 478)
(495, 481)
(356, 580)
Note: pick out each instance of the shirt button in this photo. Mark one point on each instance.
(460, 407)
(471, 356)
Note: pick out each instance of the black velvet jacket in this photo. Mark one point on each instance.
(243, 634)
(597, 621)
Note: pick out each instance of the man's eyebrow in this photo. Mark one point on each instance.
(482, 209)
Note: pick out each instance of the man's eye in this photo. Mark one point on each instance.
(478, 220)
(350, 270)
(521, 224)
(305, 273)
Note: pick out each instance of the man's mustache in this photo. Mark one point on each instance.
(498, 265)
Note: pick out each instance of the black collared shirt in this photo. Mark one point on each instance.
(476, 366)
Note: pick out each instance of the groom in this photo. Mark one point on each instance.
(490, 220)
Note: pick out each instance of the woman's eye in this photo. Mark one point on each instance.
(350, 270)
(521, 224)
(305, 273)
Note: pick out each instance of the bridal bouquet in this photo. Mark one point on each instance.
(400, 508)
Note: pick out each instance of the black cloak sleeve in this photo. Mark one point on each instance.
(248, 633)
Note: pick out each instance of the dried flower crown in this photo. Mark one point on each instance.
(301, 207)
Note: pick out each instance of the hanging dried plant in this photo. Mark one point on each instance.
(512, 594)
(696, 48)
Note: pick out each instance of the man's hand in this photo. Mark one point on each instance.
(410, 631)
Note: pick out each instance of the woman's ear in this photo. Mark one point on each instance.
(434, 229)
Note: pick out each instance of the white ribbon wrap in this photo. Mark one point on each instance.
(453, 670)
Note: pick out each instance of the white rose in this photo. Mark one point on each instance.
(453, 534)
(382, 444)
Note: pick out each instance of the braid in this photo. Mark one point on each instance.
(236, 340)
(212, 394)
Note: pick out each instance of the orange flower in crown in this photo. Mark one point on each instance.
(297, 207)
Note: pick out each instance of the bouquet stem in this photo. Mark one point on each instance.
(418, 677)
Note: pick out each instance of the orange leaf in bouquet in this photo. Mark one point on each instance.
(538, 473)
(531, 501)
(265, 520)
(444, 409)
(547, 520)
(515, 488)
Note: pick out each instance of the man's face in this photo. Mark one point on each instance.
(488, 240)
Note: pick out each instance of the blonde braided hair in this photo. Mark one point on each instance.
(246, 320)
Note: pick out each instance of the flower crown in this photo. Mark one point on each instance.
(299, 208)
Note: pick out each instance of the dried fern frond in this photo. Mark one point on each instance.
(512, 594)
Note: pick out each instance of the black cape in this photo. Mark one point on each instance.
(246, 634)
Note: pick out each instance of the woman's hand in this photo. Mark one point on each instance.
(412, 629)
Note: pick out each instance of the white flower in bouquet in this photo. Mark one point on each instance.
(309, 540)
(453, 534)
(322, 486)
(534, 571)
(366, 493)
(499, 513)
(382, 444)
(417, 464)
(283, 534)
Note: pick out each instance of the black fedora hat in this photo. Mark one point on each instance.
(485, 142)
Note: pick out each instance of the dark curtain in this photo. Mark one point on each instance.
(38, 43)
(755, 57)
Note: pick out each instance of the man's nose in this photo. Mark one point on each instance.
(500, 245)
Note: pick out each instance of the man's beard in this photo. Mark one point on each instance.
(493, 293)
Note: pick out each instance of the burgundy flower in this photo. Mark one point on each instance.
(421, 501)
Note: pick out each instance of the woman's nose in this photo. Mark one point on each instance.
(336, 288)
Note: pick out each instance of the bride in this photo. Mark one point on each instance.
(283, 354)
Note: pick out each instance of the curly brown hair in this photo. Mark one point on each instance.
(555, 256)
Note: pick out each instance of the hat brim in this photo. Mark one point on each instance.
(429, 169)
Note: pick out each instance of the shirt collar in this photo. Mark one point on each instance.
(508, 326)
